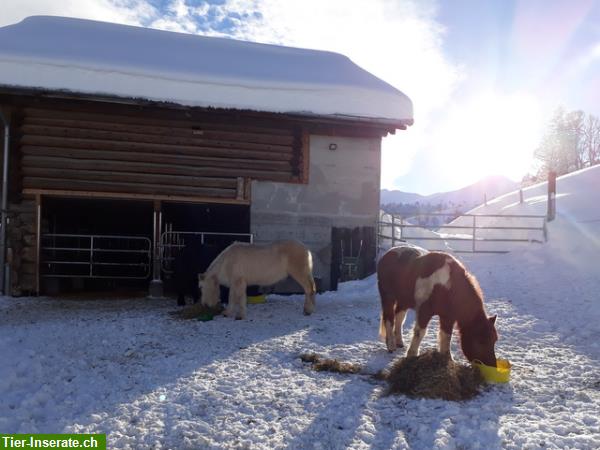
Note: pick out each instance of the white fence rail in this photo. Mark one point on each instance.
(467, 233)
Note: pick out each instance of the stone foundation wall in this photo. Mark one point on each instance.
(21, 243)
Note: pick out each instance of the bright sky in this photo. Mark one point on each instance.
(483, 75)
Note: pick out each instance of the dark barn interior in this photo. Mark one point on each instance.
(97, 216)
(95, 244)
(195, 235)
(99, 244)
(207, 217)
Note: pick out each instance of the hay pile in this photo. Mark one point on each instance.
(329, 365)
(199, 311)
(433, 375)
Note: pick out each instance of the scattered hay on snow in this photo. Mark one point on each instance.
(433, 375)
(198, 310)
(329, 365)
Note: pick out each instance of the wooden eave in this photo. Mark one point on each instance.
(338, 125)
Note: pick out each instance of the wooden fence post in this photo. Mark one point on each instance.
(551, 195)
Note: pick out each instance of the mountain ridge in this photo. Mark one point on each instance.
(466, 197)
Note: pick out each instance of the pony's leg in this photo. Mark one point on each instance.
(398, 323)
(419, 331)
(386, 326)
(307, 282)
(310, 291)
(445, 335)
(237, 295)
(231, 304)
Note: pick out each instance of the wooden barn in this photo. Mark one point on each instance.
(121, 144)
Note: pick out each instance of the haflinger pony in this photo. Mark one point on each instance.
(433, 283)
(242, 264)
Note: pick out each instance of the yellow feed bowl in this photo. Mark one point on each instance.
(255, 299)
(498, 374)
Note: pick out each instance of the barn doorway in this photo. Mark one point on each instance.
(353, 253)
(193, 235)
(206, 217)
(95, 245)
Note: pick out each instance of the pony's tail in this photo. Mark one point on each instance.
(382, 334)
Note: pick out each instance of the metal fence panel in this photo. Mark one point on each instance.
(171, 242)
(95, 256)
(480, 230)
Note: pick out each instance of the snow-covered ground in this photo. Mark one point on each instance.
(128, 369)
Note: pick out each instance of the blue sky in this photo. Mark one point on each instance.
(484, 75)
(545, 53)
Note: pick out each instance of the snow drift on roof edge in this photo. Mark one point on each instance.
(92, 57)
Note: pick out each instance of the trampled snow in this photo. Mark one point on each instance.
(127, 368)
(83, 56)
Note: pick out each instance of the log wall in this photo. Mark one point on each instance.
(129, 155)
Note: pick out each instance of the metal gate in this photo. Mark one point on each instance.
(172, 242)
(95, 256)
(468, 233)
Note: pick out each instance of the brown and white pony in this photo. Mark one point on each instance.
(433, 283)
(242, 264)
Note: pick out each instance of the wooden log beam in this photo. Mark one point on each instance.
(196, 138)
(205, 131)
(114, 114)
(133, 177)
(133, 188)
(93, 144)
(193, 161)
(131, 196)
(143, 167)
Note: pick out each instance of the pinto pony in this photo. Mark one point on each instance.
(433, 283)
(242, 264)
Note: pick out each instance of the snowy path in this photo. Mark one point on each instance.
(128, 369)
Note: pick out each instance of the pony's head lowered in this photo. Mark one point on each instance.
(209, 287)
(478, 335)
(478, 339)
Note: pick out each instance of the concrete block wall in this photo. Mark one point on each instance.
(343, 191)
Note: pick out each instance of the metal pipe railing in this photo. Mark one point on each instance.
(82, 250)
(473, 227)
(175, 240)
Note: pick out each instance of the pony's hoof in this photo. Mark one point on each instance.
(307, 313)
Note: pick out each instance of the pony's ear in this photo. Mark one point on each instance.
(492, 319)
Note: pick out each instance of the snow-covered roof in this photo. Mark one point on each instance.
(98, 58)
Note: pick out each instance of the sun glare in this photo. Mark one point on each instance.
(491, 135)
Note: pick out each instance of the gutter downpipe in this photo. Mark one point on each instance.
(4, 206)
